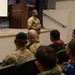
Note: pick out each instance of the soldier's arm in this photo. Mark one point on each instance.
(9, 59)
(29, 23)
(39, 25)
(32, 49)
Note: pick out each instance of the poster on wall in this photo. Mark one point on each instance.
(3, 8)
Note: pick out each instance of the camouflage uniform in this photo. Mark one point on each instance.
(33, 23)
(54, 71)
(33, 46)
(18, 56)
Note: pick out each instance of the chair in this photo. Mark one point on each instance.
(62, 57)
(27, 68)
(8, 70)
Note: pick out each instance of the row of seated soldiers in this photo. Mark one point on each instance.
(28, 47)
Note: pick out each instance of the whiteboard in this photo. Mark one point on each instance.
(3, 8)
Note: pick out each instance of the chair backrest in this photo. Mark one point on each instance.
(8, 70)
(27, 68)
(62, 57)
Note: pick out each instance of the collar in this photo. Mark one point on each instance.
(34, 17)
(21, 48)
(55, 70)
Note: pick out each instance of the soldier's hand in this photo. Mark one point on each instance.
(39, 27)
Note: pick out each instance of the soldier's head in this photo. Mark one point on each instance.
(70, 51)
(46, 58)
(21, 39)
(54, 35)
(32, 35)
(73, 33)
(34, 13)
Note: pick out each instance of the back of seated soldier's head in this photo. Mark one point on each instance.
(32, 35)
(46, 58)
(71, 49)
(54, 35)
(21, 39)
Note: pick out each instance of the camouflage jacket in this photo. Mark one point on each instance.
(33, 23)
(54, 71)
(33, 46)
(18, 56)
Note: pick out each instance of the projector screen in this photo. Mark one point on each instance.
(3, 8)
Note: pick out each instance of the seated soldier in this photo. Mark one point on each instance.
(34, 42)
(70, 51)
(58, 44)
(21, 54)
(46, 60)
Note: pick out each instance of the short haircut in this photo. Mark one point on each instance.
(21, 38)
(32, 11)
(71, 45)
(46, 56)
(73, 31)
(55, 34)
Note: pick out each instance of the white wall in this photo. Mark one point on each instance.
(45, 38)
(68, 5)
(7, 46)
(65, 5)
(51, 4)
(73, 19)
(58, 18)
(65, 14)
